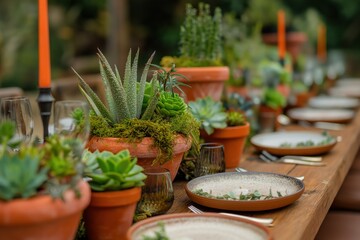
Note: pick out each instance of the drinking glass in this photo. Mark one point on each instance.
(211, 159)
(72, 119)
(157, 194)
(18, 110)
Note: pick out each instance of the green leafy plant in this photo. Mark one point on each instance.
(273, 98)
(135, 108)
(212, 115)
(112, 172)
(50, 168)
(200, 38)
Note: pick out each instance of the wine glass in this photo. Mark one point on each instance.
(18, 110)
(211, 159)
(72, 120)
(157, 195)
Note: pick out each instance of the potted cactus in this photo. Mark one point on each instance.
(147, 118)
(200, 53)
(227, 128)
(116, 182)
(42, 193)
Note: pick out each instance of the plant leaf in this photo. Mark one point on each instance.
(140, 95)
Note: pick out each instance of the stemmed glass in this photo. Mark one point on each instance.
(18, 110)
(71, 120)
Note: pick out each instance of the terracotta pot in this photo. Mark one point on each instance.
(110, 214)
(242, 91)
(276, 111)
(233, 139)
(294, 42)
(204, 81)
(143, 150)
(284, 90)
(42, 217)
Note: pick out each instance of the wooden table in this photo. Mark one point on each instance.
(302, 219)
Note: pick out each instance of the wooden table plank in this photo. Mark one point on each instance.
(302, 219)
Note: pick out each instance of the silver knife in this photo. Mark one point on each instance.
(299, 162)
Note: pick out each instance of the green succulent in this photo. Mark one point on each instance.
(20, 177)
(210, 114)
(112, 172)
(273, 98)
(54, 166)
(124, 96)
(235, 119)
(171, 104)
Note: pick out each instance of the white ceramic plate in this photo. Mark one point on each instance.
(346, 91)
(272, 142)
(219, 184)
(348, 82)
(321, 115)
(209, 226)
(333, 102)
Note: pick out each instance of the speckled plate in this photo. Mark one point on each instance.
(209, 226)
(225, 183)
(346, 91)
(321, 115)
(271, 143)
(333, 102)
(348, 82)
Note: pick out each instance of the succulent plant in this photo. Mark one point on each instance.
(50, 168)
(235, 119)
(171, 104)
(273, 98)
(124, 97)
(210, 114)
(112, 172)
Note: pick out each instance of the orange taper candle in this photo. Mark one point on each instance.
(281, 34)
(44, 46)
(321, 44)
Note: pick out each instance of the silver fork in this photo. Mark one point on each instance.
(290, 160)
(264, 221)
(238, 169)
(303, 158)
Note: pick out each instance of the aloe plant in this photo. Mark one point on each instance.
(124, 96)
(112, 172)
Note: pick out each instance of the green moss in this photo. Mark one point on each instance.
(162, 130)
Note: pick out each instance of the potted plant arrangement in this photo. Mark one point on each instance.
(147, 118)
(227, 128)
(200, 53)
(42, 194)
(116, 182)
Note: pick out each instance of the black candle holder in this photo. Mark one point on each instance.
(45, 101)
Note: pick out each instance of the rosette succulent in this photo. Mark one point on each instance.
(171, 104)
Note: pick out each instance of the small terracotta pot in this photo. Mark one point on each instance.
(277, 111)
(110, 214)
(143, 150)
(284, 90)
(242, 91)
(233, 139)
(204, 81)
(43, 217)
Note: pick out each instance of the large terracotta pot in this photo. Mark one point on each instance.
(204, 81)
(143, 150)
(233, 139)
(110, 214)
(294, 42)
(42, 217)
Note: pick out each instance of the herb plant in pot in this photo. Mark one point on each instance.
(42, 194)
(227, 128)
(200, 53)
(116, 182)
(147, 118)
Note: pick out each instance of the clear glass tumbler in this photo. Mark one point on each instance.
(211, 159)
(157, 194)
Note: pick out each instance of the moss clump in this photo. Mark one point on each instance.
(162, 130)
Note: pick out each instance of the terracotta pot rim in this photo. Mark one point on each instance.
(181, 144)
(291, 37)
(230, 132)
(44, 207)
(204, 74)
(115, 198)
